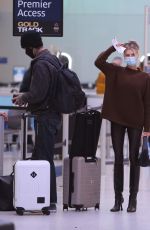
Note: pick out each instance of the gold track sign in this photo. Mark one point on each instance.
(43, 16)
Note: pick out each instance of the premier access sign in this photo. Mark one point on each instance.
(43, 16)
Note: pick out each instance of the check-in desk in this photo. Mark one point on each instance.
(63, 139)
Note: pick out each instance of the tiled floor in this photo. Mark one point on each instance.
(91, 219)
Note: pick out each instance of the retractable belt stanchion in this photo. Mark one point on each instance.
(3, 107)
(24, 135)
(1, 144)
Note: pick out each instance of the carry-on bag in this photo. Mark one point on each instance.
(81, 183)
(31, 181)
(6, 193)
(144, 156)
(32, 186)
(6, 182)
(86, 134)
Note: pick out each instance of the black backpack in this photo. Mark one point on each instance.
(67, 95)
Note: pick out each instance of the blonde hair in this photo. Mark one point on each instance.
(132, 45)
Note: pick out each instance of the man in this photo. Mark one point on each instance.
(37, 98)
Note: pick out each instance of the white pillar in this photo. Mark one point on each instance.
(1, 144)
(146, 34)
(103, 146)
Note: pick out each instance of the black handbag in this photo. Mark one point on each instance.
(86, 134)
(6, 193)
(144, 156)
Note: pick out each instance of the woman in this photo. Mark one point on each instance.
(127, 106)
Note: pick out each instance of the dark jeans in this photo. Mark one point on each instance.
(134, 136)
(46, 127)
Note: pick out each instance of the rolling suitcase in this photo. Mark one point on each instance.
(81, 183)
(31, 180)
(32, 186)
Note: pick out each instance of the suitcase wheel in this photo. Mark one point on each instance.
(97, 206)
(20, 211)
(84, 209)
(79, 207)
(65, 207)
(46, 211)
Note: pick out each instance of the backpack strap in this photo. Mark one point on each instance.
(56, 63)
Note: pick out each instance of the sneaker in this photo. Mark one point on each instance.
(53, 207)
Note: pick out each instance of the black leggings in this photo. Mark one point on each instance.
(134, 136)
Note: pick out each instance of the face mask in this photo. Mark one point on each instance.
(130, 61)
(29, 52)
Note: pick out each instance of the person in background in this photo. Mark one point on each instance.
(3, 114)
(127, 106)
(39, 103)
(100, 82)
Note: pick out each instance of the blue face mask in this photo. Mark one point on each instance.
(131, 61)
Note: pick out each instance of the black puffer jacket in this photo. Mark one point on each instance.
(41, 85)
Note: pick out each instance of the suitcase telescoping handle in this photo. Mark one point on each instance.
(24, 133)
(96, 108)
(91, 159)
(86, 109)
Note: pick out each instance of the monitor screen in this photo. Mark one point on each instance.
(6, 103)
(18, 73)
(6, 100)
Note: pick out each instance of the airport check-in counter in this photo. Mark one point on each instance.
(63, 141)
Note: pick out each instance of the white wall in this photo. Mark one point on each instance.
(89, 27)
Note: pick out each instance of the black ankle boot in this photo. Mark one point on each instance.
(118, 204)
(132, 204)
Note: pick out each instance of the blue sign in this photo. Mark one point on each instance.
(43, 16)
(3, 60)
